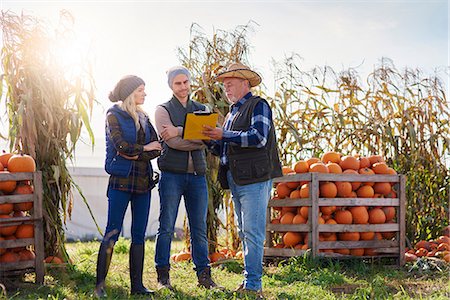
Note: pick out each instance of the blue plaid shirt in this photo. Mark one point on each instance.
(256, 136)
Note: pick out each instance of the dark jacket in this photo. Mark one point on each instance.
(118, 166)
(173, 160)
(250, 164)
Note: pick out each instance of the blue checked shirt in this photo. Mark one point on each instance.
(256, 136)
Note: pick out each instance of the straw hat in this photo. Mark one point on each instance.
(238, 70)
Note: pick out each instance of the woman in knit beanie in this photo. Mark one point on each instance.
(131, 142)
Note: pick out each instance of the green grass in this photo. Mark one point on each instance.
(296, 278)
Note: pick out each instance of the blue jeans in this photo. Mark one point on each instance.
(250, 207)
(193, 187)
(117, 206)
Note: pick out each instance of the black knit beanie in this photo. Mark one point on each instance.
(125, 87)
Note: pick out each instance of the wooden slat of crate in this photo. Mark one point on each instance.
(290, 202)
(288, 252)
(288, 227)
(16, 243)
(313, 214)
(359, 227)
(357, 244)
(26, 264)
(338, 177)
(39, 228)
(359, 201)
(16, 198)
(402, 220)
(16, 176)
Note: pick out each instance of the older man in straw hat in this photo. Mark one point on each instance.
(248, 162)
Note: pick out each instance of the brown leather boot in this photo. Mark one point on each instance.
(164, 278)
(205, 280)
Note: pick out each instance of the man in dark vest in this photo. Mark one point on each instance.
(183, 165)
(248, 162)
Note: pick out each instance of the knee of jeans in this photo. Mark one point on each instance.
(111, 237)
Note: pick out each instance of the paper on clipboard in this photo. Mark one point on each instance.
(193, 125)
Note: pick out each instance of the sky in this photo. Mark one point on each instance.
(142, 37)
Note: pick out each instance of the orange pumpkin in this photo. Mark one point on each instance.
(6, 208)
(7, 186)
(26, 255)
(328, 190)
(382, 188)
(291, 239)
(364, 162)
(216, 256)
(349, 162)
(334, 168)
(4, 157)
(301, 167)
(9, 257)
(312, 160)
(283, 190)
(365, 191)
(299, 219)
(380, 168)
(7, 230)
(287, 218)
(318, 167)
(343, 217)
(331, 156)
(389, 211)
(21, 163)
(376, 216)
(367, 236)
(373, 159)
(348, 236)
(53, 260)
(344, 189)
(24, 231)
(360, 214)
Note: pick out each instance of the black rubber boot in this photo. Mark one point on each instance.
(136, 269)
(103, 261)
(164, 278)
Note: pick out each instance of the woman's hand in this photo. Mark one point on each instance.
(128, 157)
(153, 146)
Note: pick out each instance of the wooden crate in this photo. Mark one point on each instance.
(36, 219)
(385, 248)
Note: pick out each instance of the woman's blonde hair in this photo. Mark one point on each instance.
(132, 109)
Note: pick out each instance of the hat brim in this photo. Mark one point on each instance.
(253, 78)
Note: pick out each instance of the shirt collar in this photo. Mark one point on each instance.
(242, 101)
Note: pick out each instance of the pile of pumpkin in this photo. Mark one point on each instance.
(11, 163)
(222, 254)
(438, 248)
(333, 162)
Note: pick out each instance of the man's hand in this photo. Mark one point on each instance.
(214, 133)
(153, 146)
(168, 132)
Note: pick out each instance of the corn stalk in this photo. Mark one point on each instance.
(48, 103)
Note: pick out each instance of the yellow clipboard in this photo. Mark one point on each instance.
(193, 125)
